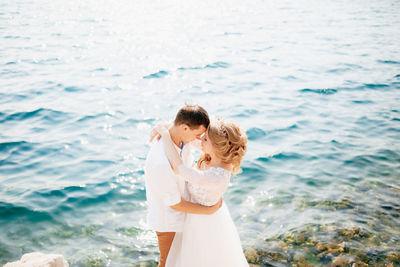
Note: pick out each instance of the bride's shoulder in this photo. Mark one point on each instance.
(214, 170)
(219, 171)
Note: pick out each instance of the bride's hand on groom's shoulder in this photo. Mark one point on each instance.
(154, 134)
(159, 130)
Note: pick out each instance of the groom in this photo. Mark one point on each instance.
(166, 196)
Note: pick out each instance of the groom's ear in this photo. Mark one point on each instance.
(184, 127)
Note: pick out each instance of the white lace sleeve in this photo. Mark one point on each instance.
(211, 176)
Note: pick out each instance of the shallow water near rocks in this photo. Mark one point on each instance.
(315, 84)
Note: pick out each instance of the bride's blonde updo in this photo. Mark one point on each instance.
(229, 143)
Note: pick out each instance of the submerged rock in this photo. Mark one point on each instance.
(37, 259)
(251, 255)
(346, 259)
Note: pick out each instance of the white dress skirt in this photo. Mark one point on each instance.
(207, 240)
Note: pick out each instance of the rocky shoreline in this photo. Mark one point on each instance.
(353, 246)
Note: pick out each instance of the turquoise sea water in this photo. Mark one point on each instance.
(316, 85)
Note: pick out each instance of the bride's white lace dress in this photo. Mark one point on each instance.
(207, 240)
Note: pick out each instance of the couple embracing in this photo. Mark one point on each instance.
(185, 208)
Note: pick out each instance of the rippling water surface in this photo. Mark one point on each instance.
(316, 85)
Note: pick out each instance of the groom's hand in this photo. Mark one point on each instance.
(220, 202)
(217, 206)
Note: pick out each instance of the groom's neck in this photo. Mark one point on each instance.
(175, 135)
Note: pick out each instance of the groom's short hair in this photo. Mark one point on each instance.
(193, 116)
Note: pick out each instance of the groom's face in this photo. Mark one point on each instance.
(191, 134)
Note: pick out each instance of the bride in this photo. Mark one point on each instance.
(208, 240)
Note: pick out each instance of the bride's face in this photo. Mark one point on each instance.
(206, 145)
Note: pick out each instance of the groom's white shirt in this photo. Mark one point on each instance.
(164, 189)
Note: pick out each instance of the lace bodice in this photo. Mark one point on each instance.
(206, 187)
